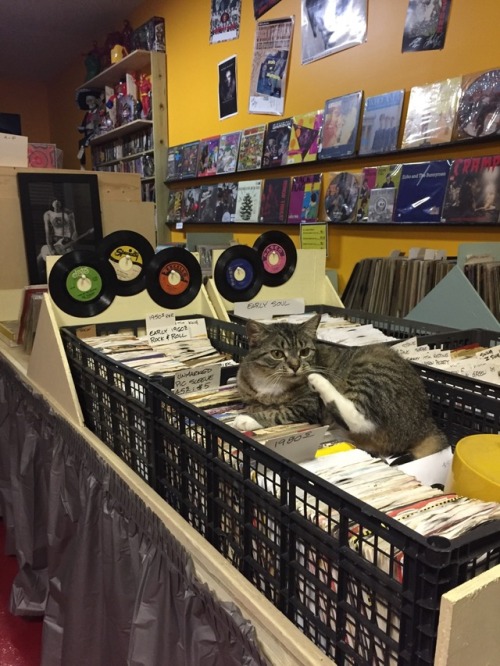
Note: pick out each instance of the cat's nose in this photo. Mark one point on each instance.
(294, 364)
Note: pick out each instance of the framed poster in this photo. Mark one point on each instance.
(60, 213)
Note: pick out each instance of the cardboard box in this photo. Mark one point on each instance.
(13, 150)
(45, 156)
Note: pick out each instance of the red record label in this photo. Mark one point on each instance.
(174, 278)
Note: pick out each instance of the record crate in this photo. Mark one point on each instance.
(360, 585)
(115, 399)
(395, 327)
(461, 405)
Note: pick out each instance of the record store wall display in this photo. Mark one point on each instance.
(60, 214)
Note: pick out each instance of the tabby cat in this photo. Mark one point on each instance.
(377, 396)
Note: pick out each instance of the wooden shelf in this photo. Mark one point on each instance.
(135, 61)
(123, 130)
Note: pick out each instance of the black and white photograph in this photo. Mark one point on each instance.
(60, 213)
(329, 26)
(228, 100)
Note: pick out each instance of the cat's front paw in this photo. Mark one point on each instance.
(245, 423)
(317, 382)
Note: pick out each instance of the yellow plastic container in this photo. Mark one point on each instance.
(334, 448)
(475, 470)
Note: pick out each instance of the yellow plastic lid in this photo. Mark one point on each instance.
(476, 467)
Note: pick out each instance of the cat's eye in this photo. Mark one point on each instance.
(277, 354)
(304, 353)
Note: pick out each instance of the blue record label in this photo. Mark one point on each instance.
(239, 274)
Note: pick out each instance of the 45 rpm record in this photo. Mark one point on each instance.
(278, 255)
(173, 278)
(82, 283)
(128, 253)
(478, 112)
(238, 273)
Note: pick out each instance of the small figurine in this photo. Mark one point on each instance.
(93, 62)
(127, 34)
(90, 101)
(144, 85)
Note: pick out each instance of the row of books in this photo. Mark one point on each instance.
(454, 109)
(144, 166)
(136, 144)
(460, 191)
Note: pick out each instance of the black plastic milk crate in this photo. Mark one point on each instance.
(461, 405)
(392, 326)
(360, 585)
(115, 399)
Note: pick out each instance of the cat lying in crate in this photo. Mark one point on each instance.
(378, 397)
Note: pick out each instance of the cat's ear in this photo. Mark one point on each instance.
(255, 332)
(311, 325)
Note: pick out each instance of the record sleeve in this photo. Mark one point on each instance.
(304, 200)
(251, 148)
(207, 203)
(381, 205)
(478, 112)
(421, 191)
(190, 204)
(229, 147)
(340, 126)
(276, 142)
(189, 161)
(82, 283)
(208, 152)
(225, 208)
(381, 122)
(340, 198)
(305, 137)
(368, 180)
(473, 191)
(431, 113)
(248, 201)
(174, 206)
(173, 278)
(388, 175)
(238, 273)
(274, 200)
(174, 161)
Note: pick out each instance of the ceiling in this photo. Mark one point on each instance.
(38, 38)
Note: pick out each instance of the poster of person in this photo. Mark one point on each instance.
(425, 25)
(225, 20)
(228, 103)
(273, 40)
(260, 7)
(329, 26)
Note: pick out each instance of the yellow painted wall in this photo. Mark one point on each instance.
(376, 66)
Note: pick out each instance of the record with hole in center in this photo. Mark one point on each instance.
(173, 278)
(82, 283)
(278, 256)
(478, 112)
(238, 273)
(128, 253)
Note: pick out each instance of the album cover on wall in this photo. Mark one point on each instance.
(368, 182)
(305, 193)
(208, 152)
(229, 147)
(425, 25)
(274, 200)
(431, 113)
(190, 204)
(251, 147)
(174, 162)
(340, 196)
(174, 207)
(381, 205)
(276, 143)
(248, 201)
(189, 161)
(421, 191)
(478, 113)
(207, 203)
(225, 208)
(340, 126)
(473, 191)
(381, 122)
(305, 137)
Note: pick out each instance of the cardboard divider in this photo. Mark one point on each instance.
(309, 281)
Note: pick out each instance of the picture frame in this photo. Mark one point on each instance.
(60, 213)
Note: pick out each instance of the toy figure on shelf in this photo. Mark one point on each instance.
(112, 39)
(92, 62)
(127, 34)
(145, 87)
(90, 101)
